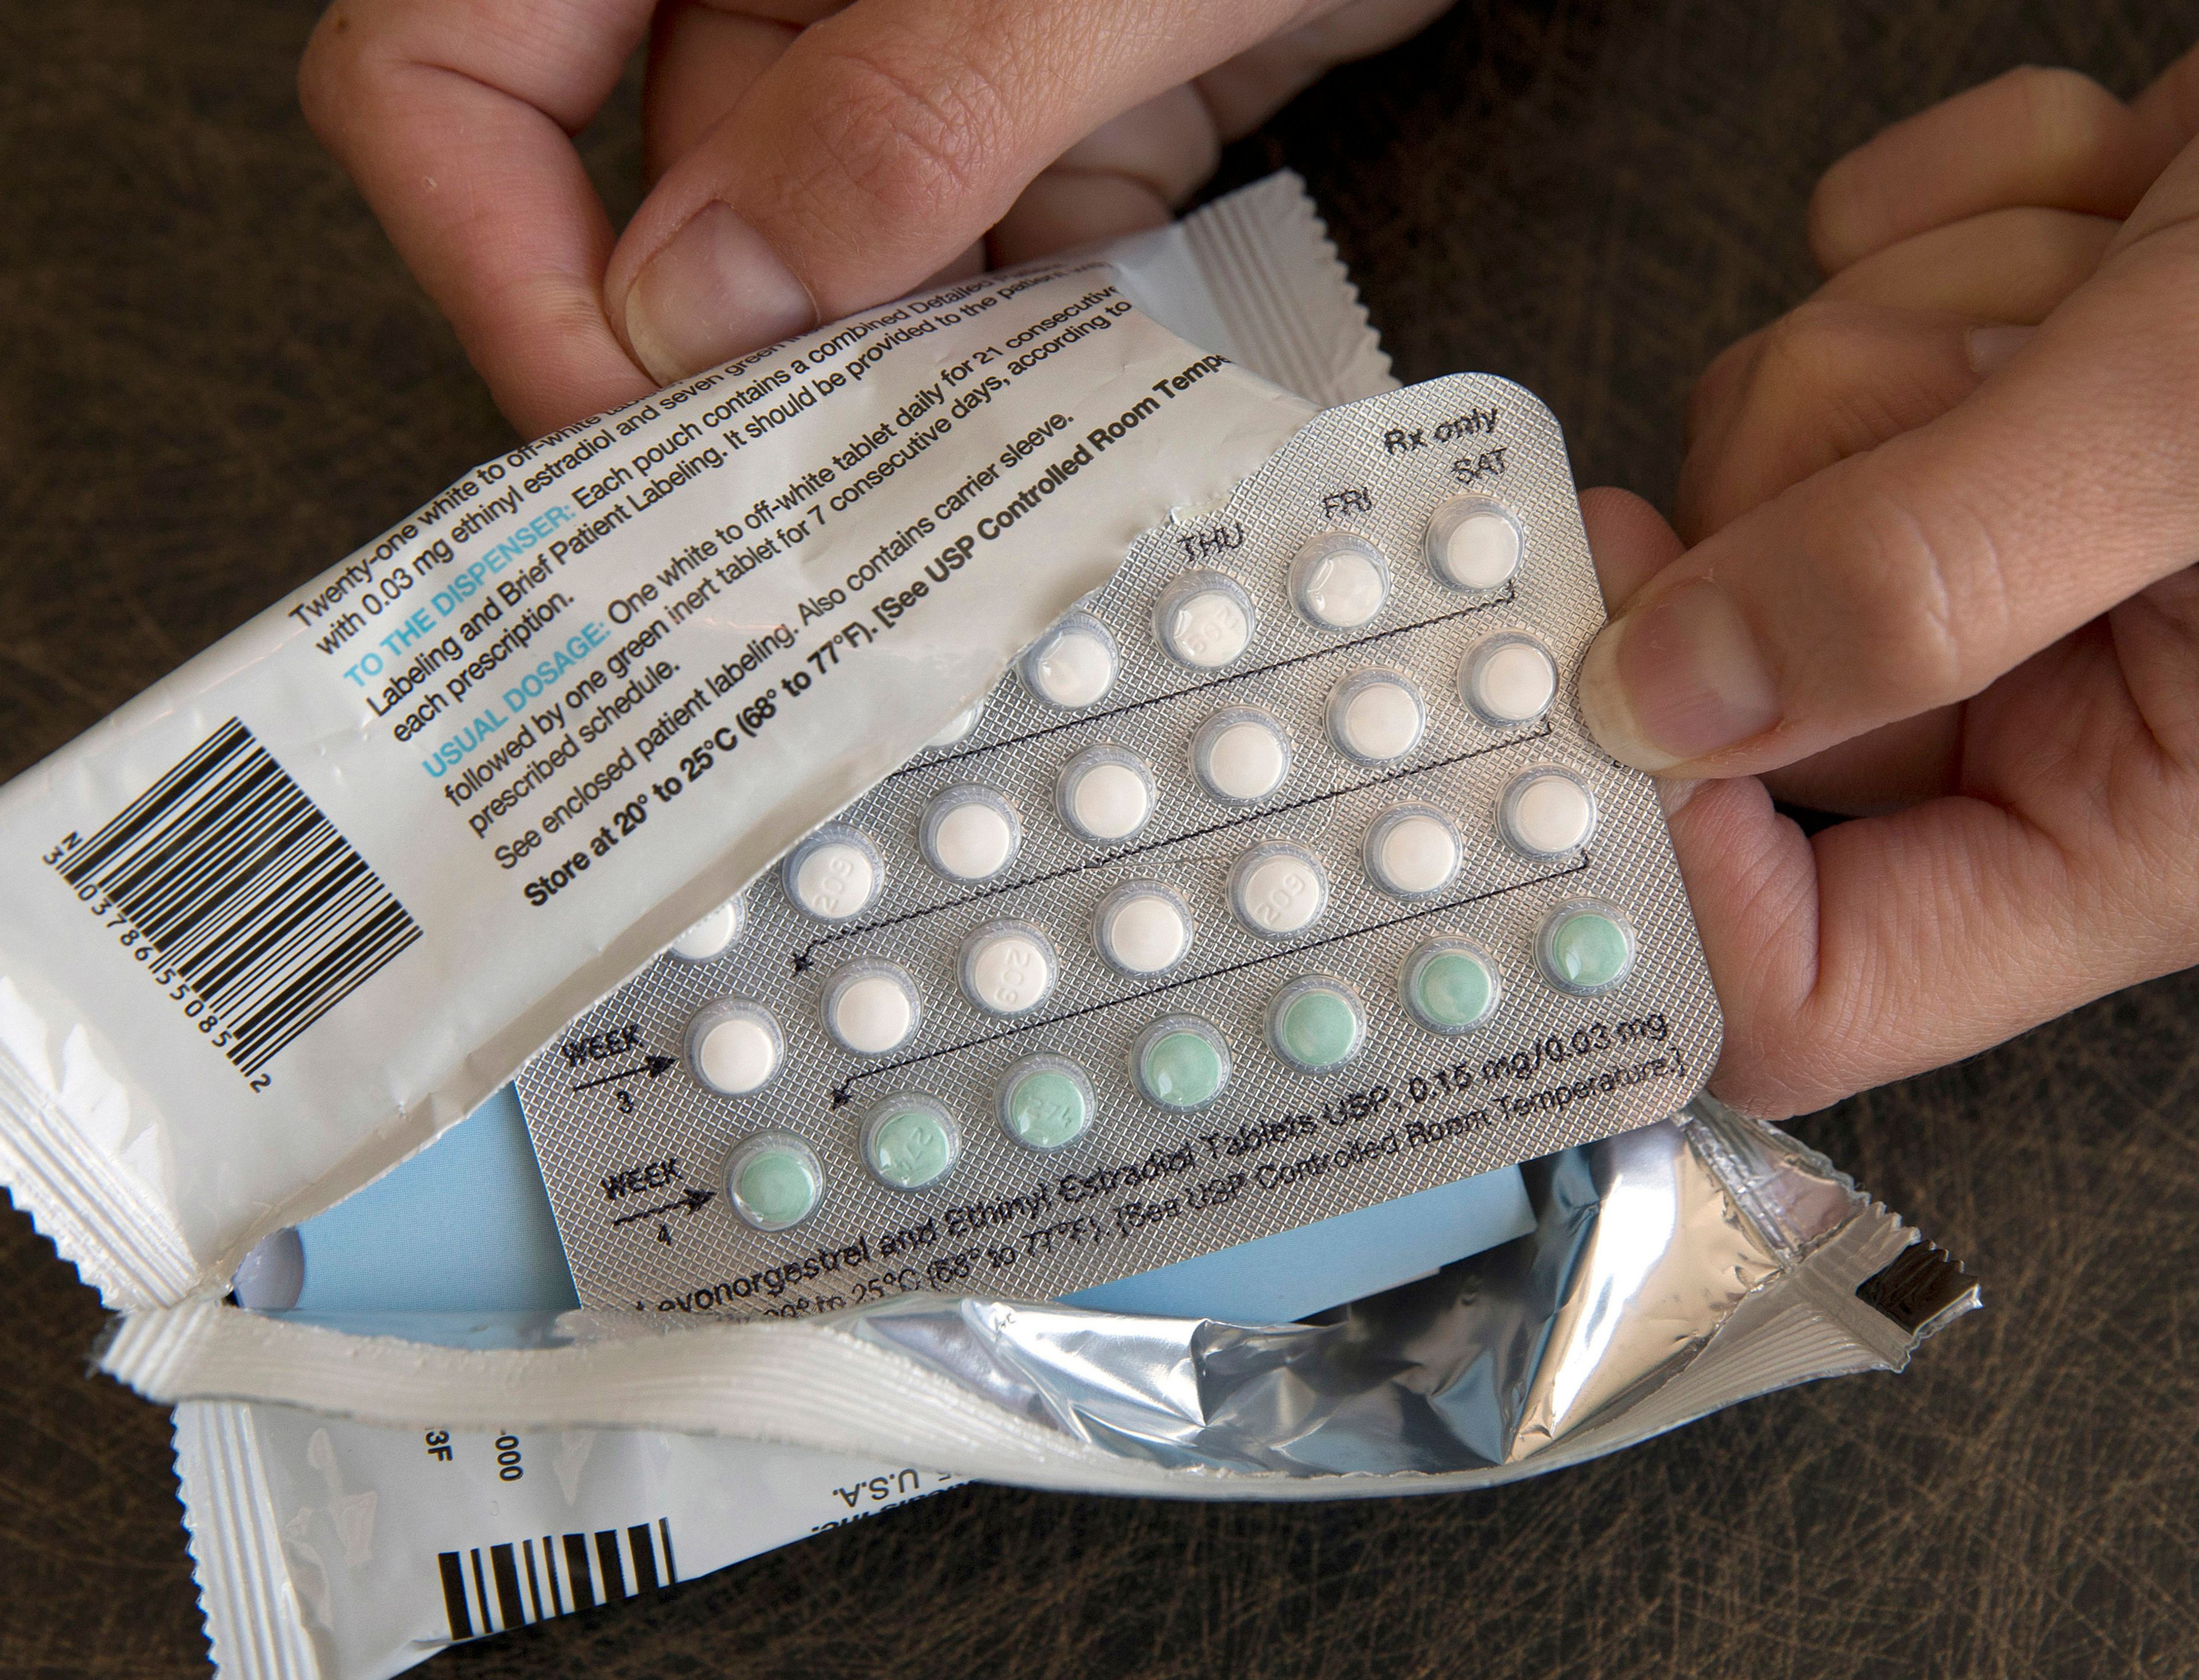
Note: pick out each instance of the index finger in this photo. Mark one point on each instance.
(456, 121)
(1909, 576)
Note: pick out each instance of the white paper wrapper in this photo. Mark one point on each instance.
(298, 907)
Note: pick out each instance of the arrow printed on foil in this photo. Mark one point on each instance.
(692, 1200)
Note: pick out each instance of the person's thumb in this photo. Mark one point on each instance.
(883, 142)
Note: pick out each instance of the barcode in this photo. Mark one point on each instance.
(246, 892)
(488, 1588)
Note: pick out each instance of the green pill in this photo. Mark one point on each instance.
(774, 1180)
(1454, 989)
(911, 1141)
(1046, 1111)
(1180, 1062)
(1045, 1102)
(1586, 946)
(1316, 1023)
(1450, 986)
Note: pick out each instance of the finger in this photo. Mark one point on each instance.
(2053, 138)
(454, 120)
(1630, 539)
(1889, 769)
(1871, 951)
(1829, 381)
(885, 139)
(1127, 174)
(2170, 108)
(2062, 871)
(701, 59)
(2013, 266)
(1912, 575)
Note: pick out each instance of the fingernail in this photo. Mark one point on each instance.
(1678, 678)
(716, 290)
(1990, 347)
(1673, 793)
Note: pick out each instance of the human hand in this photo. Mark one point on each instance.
(809, 157)
(1943, 578)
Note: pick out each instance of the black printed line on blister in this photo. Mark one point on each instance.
(807, 953)
(652, 1064)
(844, 1093)
(1510, 594)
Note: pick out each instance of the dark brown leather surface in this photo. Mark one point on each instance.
(215, 379)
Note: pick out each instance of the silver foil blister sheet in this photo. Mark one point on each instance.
(632, 1148)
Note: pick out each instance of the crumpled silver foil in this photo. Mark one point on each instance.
(1673, 1270)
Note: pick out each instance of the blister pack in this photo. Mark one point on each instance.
(1279, 879)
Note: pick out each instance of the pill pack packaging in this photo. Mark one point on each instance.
(1279, 879)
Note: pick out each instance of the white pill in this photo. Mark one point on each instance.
(1471, 543)
(1008, 968)
(1412, 850)
(834, 875)
(1278, 889)
(1508, 678)
(970, 834)
(1340, 581)
(1073, 664)
(871, 1008)
(712, 934)
(1203, 620)
(1376, 717)
(1142, 927)
(1547, 812)
(1241, 755)
(734, 1047)
(958, 727)
(1106, 794)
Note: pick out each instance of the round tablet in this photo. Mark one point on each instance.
(870, 1007)
(1278, 889)
(1045, 1102)
(1142, 927)
(1008, 968)
(1180, 1062)
(835, 875)
(1474, 544)
(1240, 755)
(710, 936)
(1340, 581)
(1316, 1022)
(1412, 850)
(958, 727)
(1203, 620)
(1585, 946)
(1106, 794)
(773, 1180)
(1073, 664)
(1547, 811)
(1376, 717)
(1449, 985)
(1508, 678)
(969, 833)
(910, 1141)
(734, 1047)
